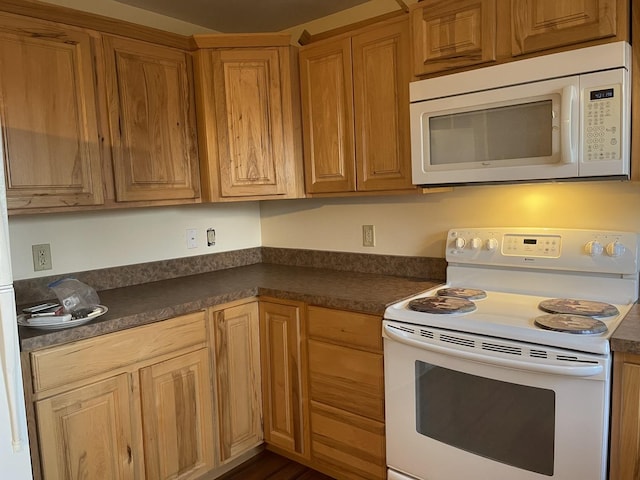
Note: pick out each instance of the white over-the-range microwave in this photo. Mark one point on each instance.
(559, 116)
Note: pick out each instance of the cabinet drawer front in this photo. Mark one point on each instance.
(348, 379)
(57, 366)
(352, 446)
(346, 328)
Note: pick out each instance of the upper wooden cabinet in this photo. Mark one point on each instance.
(454, 34)
(248, 120)
(458, 34)
(543, 24)
(355, 106)
(151, 113)
(48, 115)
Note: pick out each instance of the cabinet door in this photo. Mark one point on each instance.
(381, 64)
(327, 117)
(48, 116)
(177, 417)
(542, 24)
(625, 423)
(283, 384)
(451, 34)
(152, 121)
(238, 379)
(249, 115)
(86, 433)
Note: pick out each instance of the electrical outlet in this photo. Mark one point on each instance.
(41, 257)
(368, 236)
(211, 237)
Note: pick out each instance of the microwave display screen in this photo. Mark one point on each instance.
(601, 94)
(489, 134)
(530, 241)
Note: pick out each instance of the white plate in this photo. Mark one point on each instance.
(23, 320)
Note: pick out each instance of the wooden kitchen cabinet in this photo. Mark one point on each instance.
(346, 388)
(284, 368)
(236, 341)
(624, 462)
(248, 118)
(355, 110)
(448, 35)
(131, 404)
(177, 417)
(48, 114)
(151, 114)
(86, 433)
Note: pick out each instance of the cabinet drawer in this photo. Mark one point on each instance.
(345, 378)
(60, 365)
(337, 326)
(350, 445)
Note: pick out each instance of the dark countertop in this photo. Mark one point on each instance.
(151, 302)
(626, 338)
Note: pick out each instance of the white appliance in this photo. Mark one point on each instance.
(15, 460)
(501, 387)
(559, 116)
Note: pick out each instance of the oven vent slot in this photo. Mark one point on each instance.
(426, 333)
(403, 328)
(502, 348)
(538, 353)
(458, 341)
(571, 358)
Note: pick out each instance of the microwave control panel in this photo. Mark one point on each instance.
(602, 123)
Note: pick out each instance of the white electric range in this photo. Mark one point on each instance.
(505, 371)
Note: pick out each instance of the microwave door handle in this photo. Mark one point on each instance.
(571, 371)
(568, 152)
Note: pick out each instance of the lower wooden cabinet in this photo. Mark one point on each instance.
(86, 433)
(177, 416)
(346, 388)
(282, 350)
(131, 404)
(236, 341)
(625, 423)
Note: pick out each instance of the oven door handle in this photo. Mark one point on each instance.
(572, 370)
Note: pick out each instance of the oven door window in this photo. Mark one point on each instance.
(510, 423)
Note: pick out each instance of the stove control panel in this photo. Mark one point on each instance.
(546, 248)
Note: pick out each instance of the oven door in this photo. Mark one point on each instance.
(464, 406)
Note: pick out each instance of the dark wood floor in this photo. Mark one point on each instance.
(269, 466)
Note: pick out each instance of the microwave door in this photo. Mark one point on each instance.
(526, 132)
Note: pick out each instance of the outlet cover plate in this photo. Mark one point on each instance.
(41, 257)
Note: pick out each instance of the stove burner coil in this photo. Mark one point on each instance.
(468, 293)
(439, 304)
(578, 307)
(575, 324)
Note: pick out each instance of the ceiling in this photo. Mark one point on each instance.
(244, 16)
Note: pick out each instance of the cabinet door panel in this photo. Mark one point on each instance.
(542, 24)
(152, 121)
(177, 412)
(86, 433)
(250, 124)
(48, 115)
(282, 377)
(381, 63)
(452, 34)
(238, 379)
(327, 112)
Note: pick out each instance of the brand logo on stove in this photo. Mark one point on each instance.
(529, 259)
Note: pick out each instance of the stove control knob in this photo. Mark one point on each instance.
(476, 243)
(615, 249)
(460, 243)
(593, 248)
(492, 244)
